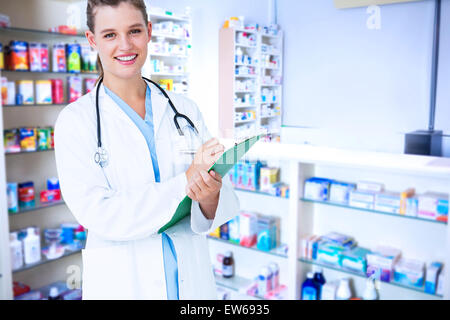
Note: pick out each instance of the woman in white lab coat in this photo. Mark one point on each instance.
(124, 203)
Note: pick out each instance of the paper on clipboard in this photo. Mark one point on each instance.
(228, 159)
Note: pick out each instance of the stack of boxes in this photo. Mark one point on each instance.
(372, 196)
(383, 264)
(250, 229)
(254, 176)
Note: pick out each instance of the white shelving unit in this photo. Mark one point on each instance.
(417, 238)
(169, 49)
(32, 166)
(231, 125)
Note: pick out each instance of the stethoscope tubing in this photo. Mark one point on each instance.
(175, 118)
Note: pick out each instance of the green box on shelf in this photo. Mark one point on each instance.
(355, 259)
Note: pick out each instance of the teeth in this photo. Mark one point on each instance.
(126, 58)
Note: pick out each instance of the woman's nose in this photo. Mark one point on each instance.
(125, 43)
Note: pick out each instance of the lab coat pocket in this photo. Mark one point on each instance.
(107, 273)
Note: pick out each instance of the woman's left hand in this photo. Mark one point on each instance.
(204, 188)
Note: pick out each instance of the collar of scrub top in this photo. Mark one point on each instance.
(177, 114)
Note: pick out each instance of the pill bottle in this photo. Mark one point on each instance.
(228, 265)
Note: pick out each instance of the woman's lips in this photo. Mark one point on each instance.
(126, 62)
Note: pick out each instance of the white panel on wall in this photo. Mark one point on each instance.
(348, 76)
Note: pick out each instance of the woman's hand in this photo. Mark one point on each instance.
(202, 186)
(205, 157)
(205, 188)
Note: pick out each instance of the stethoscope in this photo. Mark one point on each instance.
(101, 156)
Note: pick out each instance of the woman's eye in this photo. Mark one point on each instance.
(109, 35)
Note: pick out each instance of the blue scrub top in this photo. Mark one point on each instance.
(147, 129)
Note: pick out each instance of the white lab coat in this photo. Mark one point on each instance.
(123, 208)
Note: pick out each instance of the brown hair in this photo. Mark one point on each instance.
(90, 15)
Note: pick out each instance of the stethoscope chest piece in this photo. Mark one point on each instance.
(101, 157)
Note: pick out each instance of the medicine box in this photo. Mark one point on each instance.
(317, 189)
(340, 192)
(433, 206)
(387, 202)
(251, 177)
(412, 205)
(248, 224)
(381, 263)
(362, 199)
(409, 272)
(267, 233)
(240, 174)
(432, 275)
(233, 230)
(268, 176)
(369, 186)
(404, 196)
(329, 253)
(355, 259)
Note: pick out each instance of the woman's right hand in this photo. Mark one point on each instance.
(205, 157)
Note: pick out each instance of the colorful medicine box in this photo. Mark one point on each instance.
(240, 174)
(248, 227)
(11, 139)
(355, 259)
(432, 275)
(380, 263)
(267, 233)
(268, 176)
(28, 139)
(251, 177)
(233, 229)
(362, 199)
(340, 192)
(409, 272)
(317, 189)
(433, 206)
(329, 253)
(387, 202)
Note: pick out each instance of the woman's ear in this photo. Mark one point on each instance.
(91, 39)
(149, 27)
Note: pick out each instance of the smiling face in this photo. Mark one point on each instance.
(120, 37)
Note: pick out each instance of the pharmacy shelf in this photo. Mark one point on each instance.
(170, 36)
(50, 72)
(20, 31)
(270, 36)
(362, 275)
(270, 117)
(245, 106)
(274, 252)
(245, 121)
(270, 68)
(246, 75)
(261, 193)
(37, 207)
(28, 152)
(33, 105)
(168, 55)
(271, 85)
(372, 211)
(168, 16)
(44, 260)
(235, 283)
(245, 30)
(246, 46)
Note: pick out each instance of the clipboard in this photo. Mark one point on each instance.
(228, 159)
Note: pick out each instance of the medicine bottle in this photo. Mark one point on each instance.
(228, 265)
